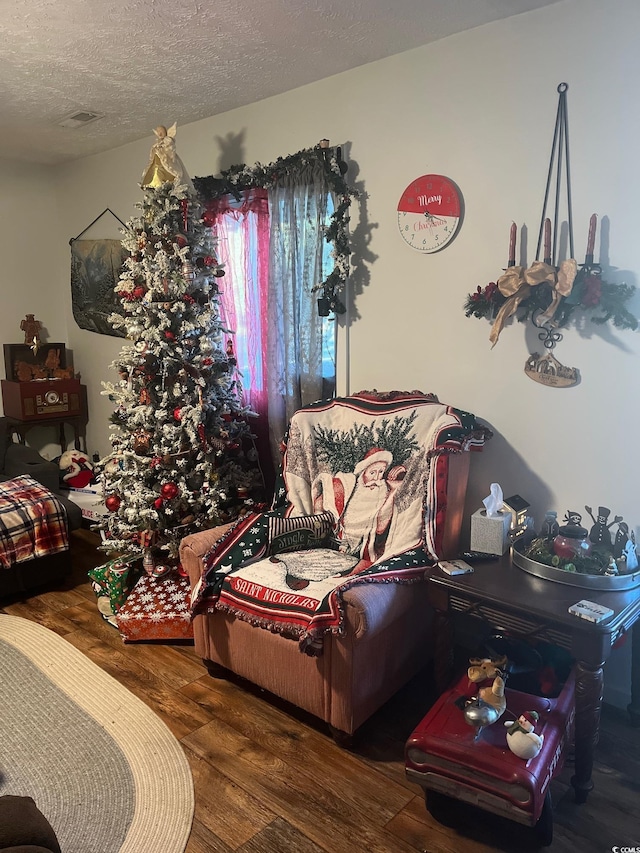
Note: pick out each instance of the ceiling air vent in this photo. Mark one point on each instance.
(79, 119)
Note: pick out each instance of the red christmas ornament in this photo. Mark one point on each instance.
(157, 460)
(138, 292)
(177, 413)
(112, 503)
(169, 336)
(210, 261)
(209, 218)
(185, 212)
(160, 571)
(181, 241)
(169, 491)
(158, 503)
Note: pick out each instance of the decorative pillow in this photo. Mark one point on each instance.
(299, 533)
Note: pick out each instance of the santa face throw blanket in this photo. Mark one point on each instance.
(362, 497)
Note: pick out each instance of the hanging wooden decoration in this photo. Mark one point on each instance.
(547, 370)
(549, 291)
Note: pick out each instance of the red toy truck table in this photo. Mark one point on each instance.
(444, 755)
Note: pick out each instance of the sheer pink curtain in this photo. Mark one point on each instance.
(242, 230)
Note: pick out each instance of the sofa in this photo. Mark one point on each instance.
(23, 827)
(17, 460)
(385, 635)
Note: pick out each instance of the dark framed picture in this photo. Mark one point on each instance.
(96, 266)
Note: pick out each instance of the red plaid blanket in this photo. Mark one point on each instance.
(33, 522)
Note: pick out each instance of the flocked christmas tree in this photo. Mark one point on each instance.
(181, 447)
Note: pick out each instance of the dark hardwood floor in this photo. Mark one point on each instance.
(269, 779)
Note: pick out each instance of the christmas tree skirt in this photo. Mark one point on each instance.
(156, 609)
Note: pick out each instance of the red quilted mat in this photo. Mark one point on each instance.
(156, 609)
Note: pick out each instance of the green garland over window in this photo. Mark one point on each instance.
(235, 180)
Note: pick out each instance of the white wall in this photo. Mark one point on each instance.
(479, 107)
(32, 256)
(29, 238)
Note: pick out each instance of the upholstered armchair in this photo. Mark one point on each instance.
(322, 600)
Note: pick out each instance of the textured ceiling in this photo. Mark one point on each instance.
(141, 63)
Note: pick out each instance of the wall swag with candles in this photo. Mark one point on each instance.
(551, 291)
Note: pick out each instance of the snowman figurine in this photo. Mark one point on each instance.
(600, 533)
(631, 553)
(521, 738)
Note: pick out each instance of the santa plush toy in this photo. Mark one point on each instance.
(78, 471)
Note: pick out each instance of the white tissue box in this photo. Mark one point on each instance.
(490, 535)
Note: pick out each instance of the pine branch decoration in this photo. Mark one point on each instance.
(590, 295)
(345, 449)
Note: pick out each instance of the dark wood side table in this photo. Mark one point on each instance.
(78, 424)
(515, 602)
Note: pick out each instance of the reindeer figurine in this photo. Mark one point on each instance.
(490, 702)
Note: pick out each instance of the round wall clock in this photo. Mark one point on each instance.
(430, 213)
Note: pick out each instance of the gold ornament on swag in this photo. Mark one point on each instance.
(548, 293)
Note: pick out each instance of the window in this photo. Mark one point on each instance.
(240, 227)
(276, 231)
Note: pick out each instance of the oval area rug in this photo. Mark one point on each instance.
(101, 765)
